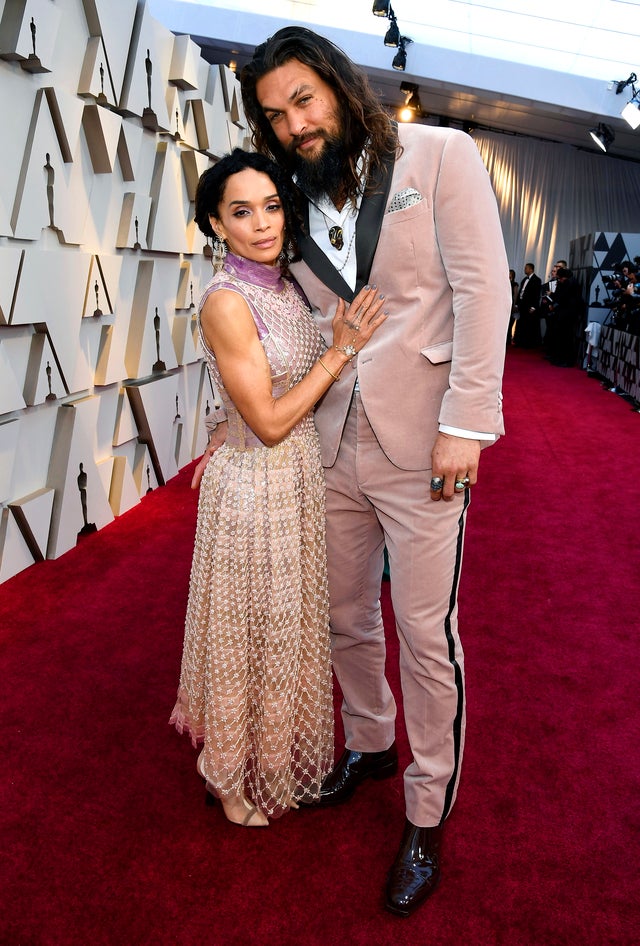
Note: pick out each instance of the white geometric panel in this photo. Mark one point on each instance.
(123, 493)
(102, 131)
(67, 272)
(170, 202)
(105, 271)
(144, 474)
(29, 29)
(204, 404)
(184, 63)
(195, 132)
(184, 293)
(43, 383)
(149, 343)
(50, 182)
(33, 516)
(134, 220)
(10, 262)
(90, 339)
(216, 112)
(189, 399)
(173, 99)
(109, 399)
(11, 398)
(94, 79)
(184, 333)
(125, 427)
(113, 20)
(105, 472)
(153, 402)
(201, 271)
(14, 551)
(17, 345)
(147, 71)
(82, 502)
(9, 433)
(129, 148)
(194, 165)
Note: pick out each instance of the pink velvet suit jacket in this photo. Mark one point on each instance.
(441, 263)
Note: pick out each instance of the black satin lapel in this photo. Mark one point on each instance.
(368, 227)
(370, 221)
(319, 264)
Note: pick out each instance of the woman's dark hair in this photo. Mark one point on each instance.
(365, 124)
(213, 183)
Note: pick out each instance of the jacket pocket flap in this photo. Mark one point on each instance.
(438, 354)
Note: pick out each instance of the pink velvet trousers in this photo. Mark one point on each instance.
(372, 503)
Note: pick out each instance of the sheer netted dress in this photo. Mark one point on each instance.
(255, 683)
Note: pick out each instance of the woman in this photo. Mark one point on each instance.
(255, 683)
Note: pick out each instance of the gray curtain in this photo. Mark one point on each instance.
(549, 194)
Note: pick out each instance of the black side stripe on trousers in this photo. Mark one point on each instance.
(457, 723)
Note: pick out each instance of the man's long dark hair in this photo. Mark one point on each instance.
(365, 125)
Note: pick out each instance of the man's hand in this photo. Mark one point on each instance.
(453, 460)
(216, 440)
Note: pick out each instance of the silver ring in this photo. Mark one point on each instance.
(466, 481)
(460, 485)
(436, 484)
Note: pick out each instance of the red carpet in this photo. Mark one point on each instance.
(105, 835)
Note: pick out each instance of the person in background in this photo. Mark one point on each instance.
(527, 333)
(513, 282)
(567, 311)
(546, 318)
(255, 681)
(410, 208)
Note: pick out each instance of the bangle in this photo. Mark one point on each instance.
(328, 370)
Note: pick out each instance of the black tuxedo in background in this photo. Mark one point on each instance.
(527, 333)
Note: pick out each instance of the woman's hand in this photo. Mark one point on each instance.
(217, 438)
(353, 327)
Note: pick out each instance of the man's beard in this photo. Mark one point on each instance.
(324, 175)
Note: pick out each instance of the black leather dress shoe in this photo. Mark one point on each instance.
(352, 769)
(415, 872)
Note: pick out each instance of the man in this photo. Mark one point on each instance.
(410, 210)
(546, 297)
(568, 310)
(527, 334)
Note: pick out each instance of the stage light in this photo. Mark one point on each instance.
(621, 86)
(400, 58)
(412, 107)
(392, 37)
(603, 136)
(631, 112)
(381, 7)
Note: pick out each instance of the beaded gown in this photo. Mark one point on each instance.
(255, 682)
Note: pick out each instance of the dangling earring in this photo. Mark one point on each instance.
(285, 256)
(219, 252)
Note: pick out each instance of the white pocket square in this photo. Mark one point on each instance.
(403, 199)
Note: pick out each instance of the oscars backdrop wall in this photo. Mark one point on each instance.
(108, 120)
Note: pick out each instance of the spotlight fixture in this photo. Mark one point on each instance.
(603, 136)
(381, 7)
(412, 107)
(400, 58)
(621, 86)
(392, 37)
(631, 111)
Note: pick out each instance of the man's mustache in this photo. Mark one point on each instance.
(300, 139)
